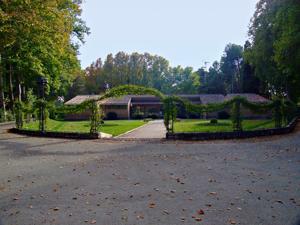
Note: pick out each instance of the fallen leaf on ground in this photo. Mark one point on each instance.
(166, 212)
(231, 221)
(140, 217)
(152, 205)
(200, 212)
(279, 201)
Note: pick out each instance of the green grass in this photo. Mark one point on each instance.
(222, 125)
(114, 127)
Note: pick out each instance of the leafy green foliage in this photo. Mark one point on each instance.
(275, 47)
(39, 38)
(19, 114)
(95, 117)
(136, 69)
(280, 107)
(236, 115)
(41, 107)
(170, 112)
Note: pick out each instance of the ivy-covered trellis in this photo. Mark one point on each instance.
(282, 109)
(19, 114)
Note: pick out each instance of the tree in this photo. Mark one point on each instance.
(40, 38)
(275, 46)
(214, 80)
(250, 82)
(78, 87)
(230, 65)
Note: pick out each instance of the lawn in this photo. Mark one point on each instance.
(222, 125)
(114, 127)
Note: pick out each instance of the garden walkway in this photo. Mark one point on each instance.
(153, 129)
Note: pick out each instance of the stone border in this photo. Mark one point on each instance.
(232, 135)
(50, 134)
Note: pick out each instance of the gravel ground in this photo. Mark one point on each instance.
(69, 182)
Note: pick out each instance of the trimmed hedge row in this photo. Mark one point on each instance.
(51, 134)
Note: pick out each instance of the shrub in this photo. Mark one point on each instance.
(9, 116)
(112, 116)
(2, 117)
(153, 116)
(137, 114)
(223, 115)
(213, 121)
(147, 120)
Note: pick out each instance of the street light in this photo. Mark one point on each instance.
(42, 82)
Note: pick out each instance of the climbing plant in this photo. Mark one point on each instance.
(95, 117)
(170, 113)
(19, 114)
(281, 108)
(236, 115)
(41, 107)
(94, 108)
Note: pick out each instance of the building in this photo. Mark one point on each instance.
(247, 113)
(145, 106)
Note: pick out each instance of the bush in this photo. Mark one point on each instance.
(112, 116)
(223, 115)
(138, 116)
(214, 121)
(153, 116)
(1, 116)
(147, 120)
(10, 116)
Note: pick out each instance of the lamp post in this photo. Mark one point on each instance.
(42, 82)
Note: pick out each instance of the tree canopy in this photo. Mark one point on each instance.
(39, 38)
(275, 46)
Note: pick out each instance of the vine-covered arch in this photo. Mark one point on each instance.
(116, 93)
(281, 108)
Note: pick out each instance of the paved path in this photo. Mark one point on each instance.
(63, 182)
(154, 129)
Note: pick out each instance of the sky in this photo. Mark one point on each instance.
(186, 32)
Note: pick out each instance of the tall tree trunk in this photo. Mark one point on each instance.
(19, 88)
(2, 99)
(23, 92)
(11, 89)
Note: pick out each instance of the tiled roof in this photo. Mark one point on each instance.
(211, 98)
(196, 99)
(80, 99)
(116, 101)
(250, 97)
